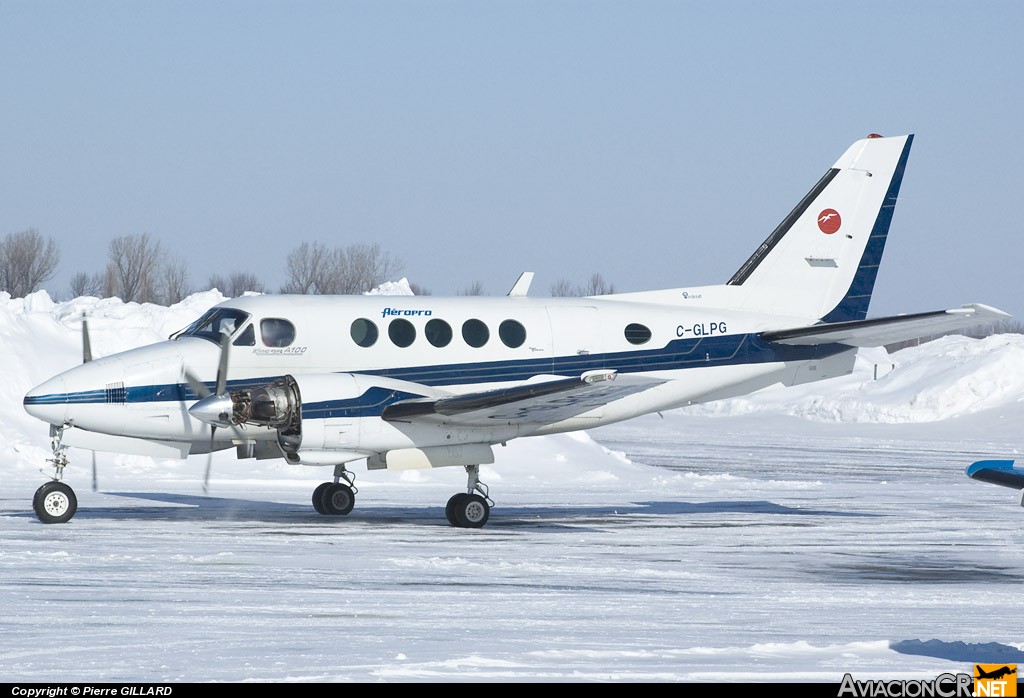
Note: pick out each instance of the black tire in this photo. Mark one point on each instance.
(338, 499)
(55, 502)
(471, 511)
(318, 497)
(449, 509)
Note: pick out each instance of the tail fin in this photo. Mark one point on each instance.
(822, 260)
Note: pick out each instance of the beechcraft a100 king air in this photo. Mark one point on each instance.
(424, 382)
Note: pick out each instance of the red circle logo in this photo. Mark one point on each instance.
(829, 221)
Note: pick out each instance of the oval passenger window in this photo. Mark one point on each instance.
(402, 332)
(637, 333)
(276, 332)
(475, 333)
(512, 333)
(364, 332)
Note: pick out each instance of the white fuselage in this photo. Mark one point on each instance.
(424, 347)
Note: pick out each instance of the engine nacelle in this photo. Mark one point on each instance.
(322, 412)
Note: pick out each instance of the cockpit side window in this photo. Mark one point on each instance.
(214, 323)
(277, 332)
(247, 338)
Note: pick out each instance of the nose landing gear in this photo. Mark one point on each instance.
(54, 501)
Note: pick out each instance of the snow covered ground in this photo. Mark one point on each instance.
(793, 535)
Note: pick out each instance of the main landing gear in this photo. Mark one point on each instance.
(336, 498)
(468, 509)
(55, 502)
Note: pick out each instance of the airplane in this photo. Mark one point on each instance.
(426, 382)
(994, 674)
(998, 472)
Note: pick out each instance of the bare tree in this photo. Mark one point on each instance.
(304, 272)
(418, 290)
(173, 282)
(132, 269)
(318, 269)
(237, 283)
(562, 288)
(474, 289)
(368, 266)
(84, 284)
(596, 286)
(27, 261)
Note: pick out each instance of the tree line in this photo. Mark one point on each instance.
(140, 269)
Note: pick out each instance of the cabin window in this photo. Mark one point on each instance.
(475, 333)
(512, 333)
(402, 332)
(364, 332)
(247, 338)
(438, 332)
(637, 333)
(276, 332)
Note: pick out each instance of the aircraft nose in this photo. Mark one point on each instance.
(49, 401)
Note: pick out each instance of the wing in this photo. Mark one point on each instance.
(888, 330)
(541, 400)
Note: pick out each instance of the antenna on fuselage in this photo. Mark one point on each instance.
(522, 285)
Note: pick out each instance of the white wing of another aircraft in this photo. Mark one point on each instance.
(424, 382)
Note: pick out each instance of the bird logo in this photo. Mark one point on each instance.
(829, 221)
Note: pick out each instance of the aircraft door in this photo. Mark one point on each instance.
(575, 337)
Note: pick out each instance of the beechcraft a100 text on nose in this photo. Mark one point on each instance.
(425, 382)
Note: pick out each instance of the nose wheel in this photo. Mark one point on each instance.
(55, 502)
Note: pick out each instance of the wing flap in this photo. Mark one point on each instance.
(887, 330)
(542, 400)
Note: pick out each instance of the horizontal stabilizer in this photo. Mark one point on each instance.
(997, 472)
(542, 400)
(888, 330)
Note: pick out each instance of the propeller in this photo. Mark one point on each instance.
(86, 358)
(213, 408)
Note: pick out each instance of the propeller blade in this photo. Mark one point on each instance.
(222, 368)
(197, 385)
(95, 487)
(86, 344)
(209, 462)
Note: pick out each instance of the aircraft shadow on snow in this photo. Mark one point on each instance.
(186, 507)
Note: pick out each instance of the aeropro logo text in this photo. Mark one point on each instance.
(388, 312)
(988, 680)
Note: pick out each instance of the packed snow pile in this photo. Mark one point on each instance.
(948, 377)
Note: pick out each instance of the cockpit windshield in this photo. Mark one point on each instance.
(214, 323)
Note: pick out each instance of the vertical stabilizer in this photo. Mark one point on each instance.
(822, 260)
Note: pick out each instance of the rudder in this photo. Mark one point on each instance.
(821, 262)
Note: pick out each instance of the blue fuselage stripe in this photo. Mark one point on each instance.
(726, 350)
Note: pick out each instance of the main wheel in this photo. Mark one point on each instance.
(318, 497)
(55, 502)
(338, 499)
(471, 511)
(449, 509)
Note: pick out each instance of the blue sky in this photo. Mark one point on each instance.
(657, 143)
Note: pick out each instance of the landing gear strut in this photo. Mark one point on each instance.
(55, 502)
(469, 509)
(336, 498)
